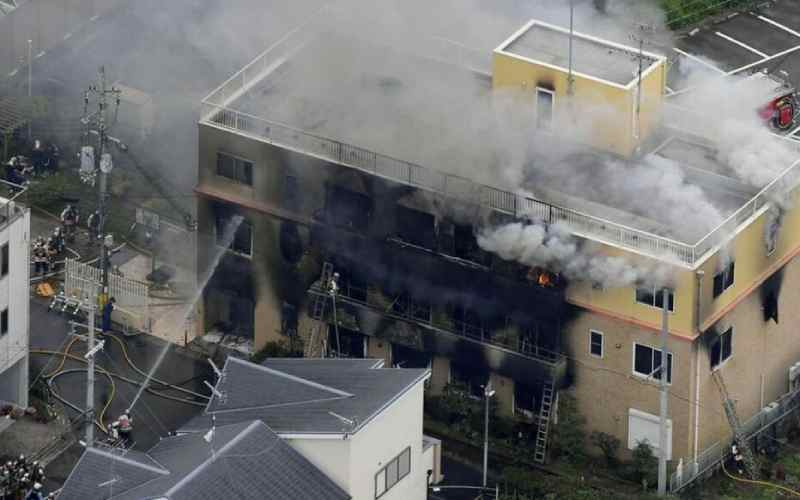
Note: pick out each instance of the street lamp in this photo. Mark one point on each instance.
(488, 392)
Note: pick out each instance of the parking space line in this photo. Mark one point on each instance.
(699, 60)
(741, 44)
(779, 25)
(753, 64)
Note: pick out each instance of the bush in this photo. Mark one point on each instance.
(682, 13)
(644, 464)
(569, 436)
(608, 444)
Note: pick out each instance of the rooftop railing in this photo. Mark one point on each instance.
(216, 111)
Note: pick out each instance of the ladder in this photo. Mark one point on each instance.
(736, 426)
(540, 453)
(318, 340)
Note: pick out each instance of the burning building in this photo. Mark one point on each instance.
(421, 187)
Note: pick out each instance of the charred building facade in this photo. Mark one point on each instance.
(358, 177)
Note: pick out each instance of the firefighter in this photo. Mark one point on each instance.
(93, 224)
(40, 257)
(52, 253)
(69, 221)
(58, 240)
(738, 459)
(107, 310)
(124, 426)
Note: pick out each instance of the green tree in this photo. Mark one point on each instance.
(569, 437)
(608, 444)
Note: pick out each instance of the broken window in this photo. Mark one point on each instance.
(721, 348)
(291, 244)
(415, 227)
(409, 307)
(723, 280)
(524, 399)
(242, 240)
(651, 296)
(647, 362)
(468, 379)
(466, 245)
(467, 322)
(406, 357)
(352, 285)
(234, 168)
(544, 108)
(351, 344)
(348, 209)
(771, 306)
(288, 319)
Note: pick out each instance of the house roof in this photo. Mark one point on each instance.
(246, 460)
(306, 395)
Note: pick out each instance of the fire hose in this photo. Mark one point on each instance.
(761, 483)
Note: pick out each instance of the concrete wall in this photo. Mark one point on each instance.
(14, 297)
(332, 456)
(383, 439)
(593, 105)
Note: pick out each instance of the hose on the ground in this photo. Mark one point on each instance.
(762, 483)
(117, 375)
(99, 420)
(145, 374)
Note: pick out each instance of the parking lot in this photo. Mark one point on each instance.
(766, 38)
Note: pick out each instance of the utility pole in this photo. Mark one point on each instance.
(30, 87)
(90, 372)
(664, 371)
(488, 392)
(105, 165)
(570, 78)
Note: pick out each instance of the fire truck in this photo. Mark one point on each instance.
(782, 108)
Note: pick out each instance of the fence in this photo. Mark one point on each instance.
(132, 299)
(714, 455)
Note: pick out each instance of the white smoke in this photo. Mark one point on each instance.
(554, 248)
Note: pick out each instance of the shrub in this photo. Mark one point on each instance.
(644, 464)
(569, 436)
(608, 444)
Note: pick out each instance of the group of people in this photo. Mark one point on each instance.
(21, 479)
(43, 161)
(45, 251)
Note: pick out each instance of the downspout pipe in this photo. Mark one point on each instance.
(700, 274)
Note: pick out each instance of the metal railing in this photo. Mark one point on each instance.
(515, 343)
(216, 111)
(714, 455)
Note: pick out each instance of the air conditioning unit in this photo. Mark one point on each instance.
(794, 377)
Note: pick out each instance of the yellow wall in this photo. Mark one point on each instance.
(600, 115)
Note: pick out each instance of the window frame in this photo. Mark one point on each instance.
(593, 332)
(239, 164)
(650, 376)
(4, 322)
(727, 277)
(655, 294)
(719, 340)
(5, 258)
(217, 218)
(383, 472)
(539, 123)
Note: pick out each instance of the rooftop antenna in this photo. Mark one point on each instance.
(352, 423)
(643, 28)
(214, 391)
(570, 78)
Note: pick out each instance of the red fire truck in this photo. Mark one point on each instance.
(780, 112)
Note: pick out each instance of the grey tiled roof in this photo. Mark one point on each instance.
(244, 461)
(298, 395)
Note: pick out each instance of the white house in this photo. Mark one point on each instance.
(356, 421)
(14, 284)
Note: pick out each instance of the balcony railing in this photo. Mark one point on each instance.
(216, 111)
(515, 343)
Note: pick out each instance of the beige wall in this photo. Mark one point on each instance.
(440, 374)
(607, 388)
(504, 392)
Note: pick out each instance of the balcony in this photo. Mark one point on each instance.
(367, 310)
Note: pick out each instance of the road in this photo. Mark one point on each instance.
(153, 416)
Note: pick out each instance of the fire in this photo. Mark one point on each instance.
(541, 277)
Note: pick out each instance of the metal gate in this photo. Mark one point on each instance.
(132, 307)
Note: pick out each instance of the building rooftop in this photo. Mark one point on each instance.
(591, 57)
(247, 459)
(426, 120)
(298, 396)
